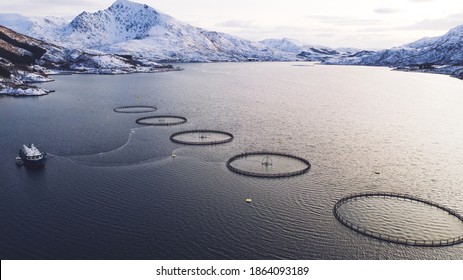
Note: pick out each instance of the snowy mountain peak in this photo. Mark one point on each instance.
(125, 6)
(122, 21)
(122, 4)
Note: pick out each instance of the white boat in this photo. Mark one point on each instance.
(30, 154)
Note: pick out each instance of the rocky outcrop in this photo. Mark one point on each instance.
(18, 57)
(15, 54)
(4, 72)
(34, 51)
(25, 60)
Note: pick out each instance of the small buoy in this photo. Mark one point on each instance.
(248, 200)
(138, 97)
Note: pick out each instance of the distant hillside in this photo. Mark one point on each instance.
(307, 52)
(442, 54)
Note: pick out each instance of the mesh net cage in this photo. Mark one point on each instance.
(135, 109)
(201, 137)
(161, 120)
(268, 164)
(380, 233)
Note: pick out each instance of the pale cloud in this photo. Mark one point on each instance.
(344, 20)
(58, 8)
(443, 24)
(386, 11)
(238, 24)
(421, 1)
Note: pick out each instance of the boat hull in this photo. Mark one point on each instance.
(29, 162)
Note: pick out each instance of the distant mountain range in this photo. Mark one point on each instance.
(129, 37)
(442, 54)
(444, 50)
(303, 51)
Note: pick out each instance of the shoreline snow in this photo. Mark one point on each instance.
(23, 91)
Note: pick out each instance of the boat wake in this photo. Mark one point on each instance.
(143, 145)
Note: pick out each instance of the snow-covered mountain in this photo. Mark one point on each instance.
(307, 52)
(285, 45)
(130, 28)
(442, 55)
(443, 50)
(37, 27)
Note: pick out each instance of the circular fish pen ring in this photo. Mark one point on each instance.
(202, 138)
(267, 162)
(135, 109)
(395, 239)
(161, 120)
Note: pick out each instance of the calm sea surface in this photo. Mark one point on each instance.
(111, 190)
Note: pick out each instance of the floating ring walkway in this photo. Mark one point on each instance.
(161, 120)
(201, 137)
(135, 109)
(395, 239)
(268, 164)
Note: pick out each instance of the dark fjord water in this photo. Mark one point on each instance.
(111, 190)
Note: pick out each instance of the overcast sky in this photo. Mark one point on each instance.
(335, 23)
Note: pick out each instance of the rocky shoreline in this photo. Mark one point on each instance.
(22, 90)
(454, 71)
(25, 61)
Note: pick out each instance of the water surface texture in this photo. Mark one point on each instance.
(404, 219)
(111, 189)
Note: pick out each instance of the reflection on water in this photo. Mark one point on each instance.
(142, 146)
